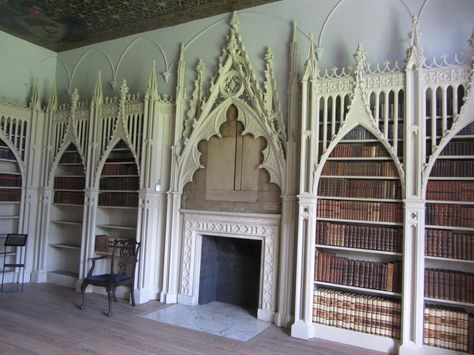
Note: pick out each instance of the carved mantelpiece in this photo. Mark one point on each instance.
(257, 226)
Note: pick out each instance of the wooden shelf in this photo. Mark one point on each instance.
(360, 158)
(360, 177)
(119, 207)
(119, 191)
(119, 176)
(358, 289)
(378, 223)
(113, 226)
(451, 202)
(462, 261)
(455, 157)
(340, 198)
(65, 246)
(469, 229)
(448, 302)
(9, 217)
(366, 251)
(451, 178)
(72, 223)
(67, 205)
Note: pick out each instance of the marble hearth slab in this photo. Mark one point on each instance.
(215, 318)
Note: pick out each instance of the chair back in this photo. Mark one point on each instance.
(15, 240)
(125, 255)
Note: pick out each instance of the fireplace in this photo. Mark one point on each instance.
(256, 231)
(230, 271)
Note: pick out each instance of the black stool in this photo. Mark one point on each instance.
(12, 245)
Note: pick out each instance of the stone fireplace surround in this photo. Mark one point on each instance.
(240, 225)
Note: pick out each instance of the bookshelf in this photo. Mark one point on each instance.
(10, 190)
(449, 247)
(64, 244)
(359, 240)
(117, 212)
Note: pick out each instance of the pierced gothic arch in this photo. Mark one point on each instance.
(58, 157)
(273, 162)
(16, 154)
(234, 84)
(106, 155)
(359, 114)
(464, 118)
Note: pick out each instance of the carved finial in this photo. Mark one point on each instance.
(234, 21)
(311, 66)
(53, 99)
(181, 52)
(200, 67)
(35, 96)
(471, 40)
(268, 56)
(98, 98)
(295, 29)
(152, 90)
(74, 100)
(123, 92)
(414, 56)
(360, 55)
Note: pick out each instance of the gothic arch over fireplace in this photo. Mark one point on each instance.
(259, 111)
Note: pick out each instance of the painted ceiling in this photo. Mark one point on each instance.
(66, 24)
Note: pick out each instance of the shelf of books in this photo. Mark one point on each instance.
(10, 190)
(449, 248)
(359, 242)
(118, 198)
(64, 244)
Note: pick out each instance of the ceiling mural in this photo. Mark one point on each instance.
(60, 25)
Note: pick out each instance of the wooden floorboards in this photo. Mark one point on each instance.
(45, 319)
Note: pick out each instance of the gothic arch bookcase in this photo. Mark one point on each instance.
(386, 214)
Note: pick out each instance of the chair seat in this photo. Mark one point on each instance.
(107, 278)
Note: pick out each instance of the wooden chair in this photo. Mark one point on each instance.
(125, 255)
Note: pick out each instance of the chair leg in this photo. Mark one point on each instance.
(83, 291)
(110, 293)
(115, 297)
(132, 294)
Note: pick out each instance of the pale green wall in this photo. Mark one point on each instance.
(338, 25)
(21, 64)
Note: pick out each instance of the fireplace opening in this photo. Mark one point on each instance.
(230, 271)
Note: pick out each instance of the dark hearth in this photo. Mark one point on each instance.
(230, 271)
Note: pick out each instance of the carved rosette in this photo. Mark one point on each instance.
(263, 228)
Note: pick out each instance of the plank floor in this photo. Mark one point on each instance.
(45, 319)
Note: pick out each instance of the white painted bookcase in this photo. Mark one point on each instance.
(413, 114)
